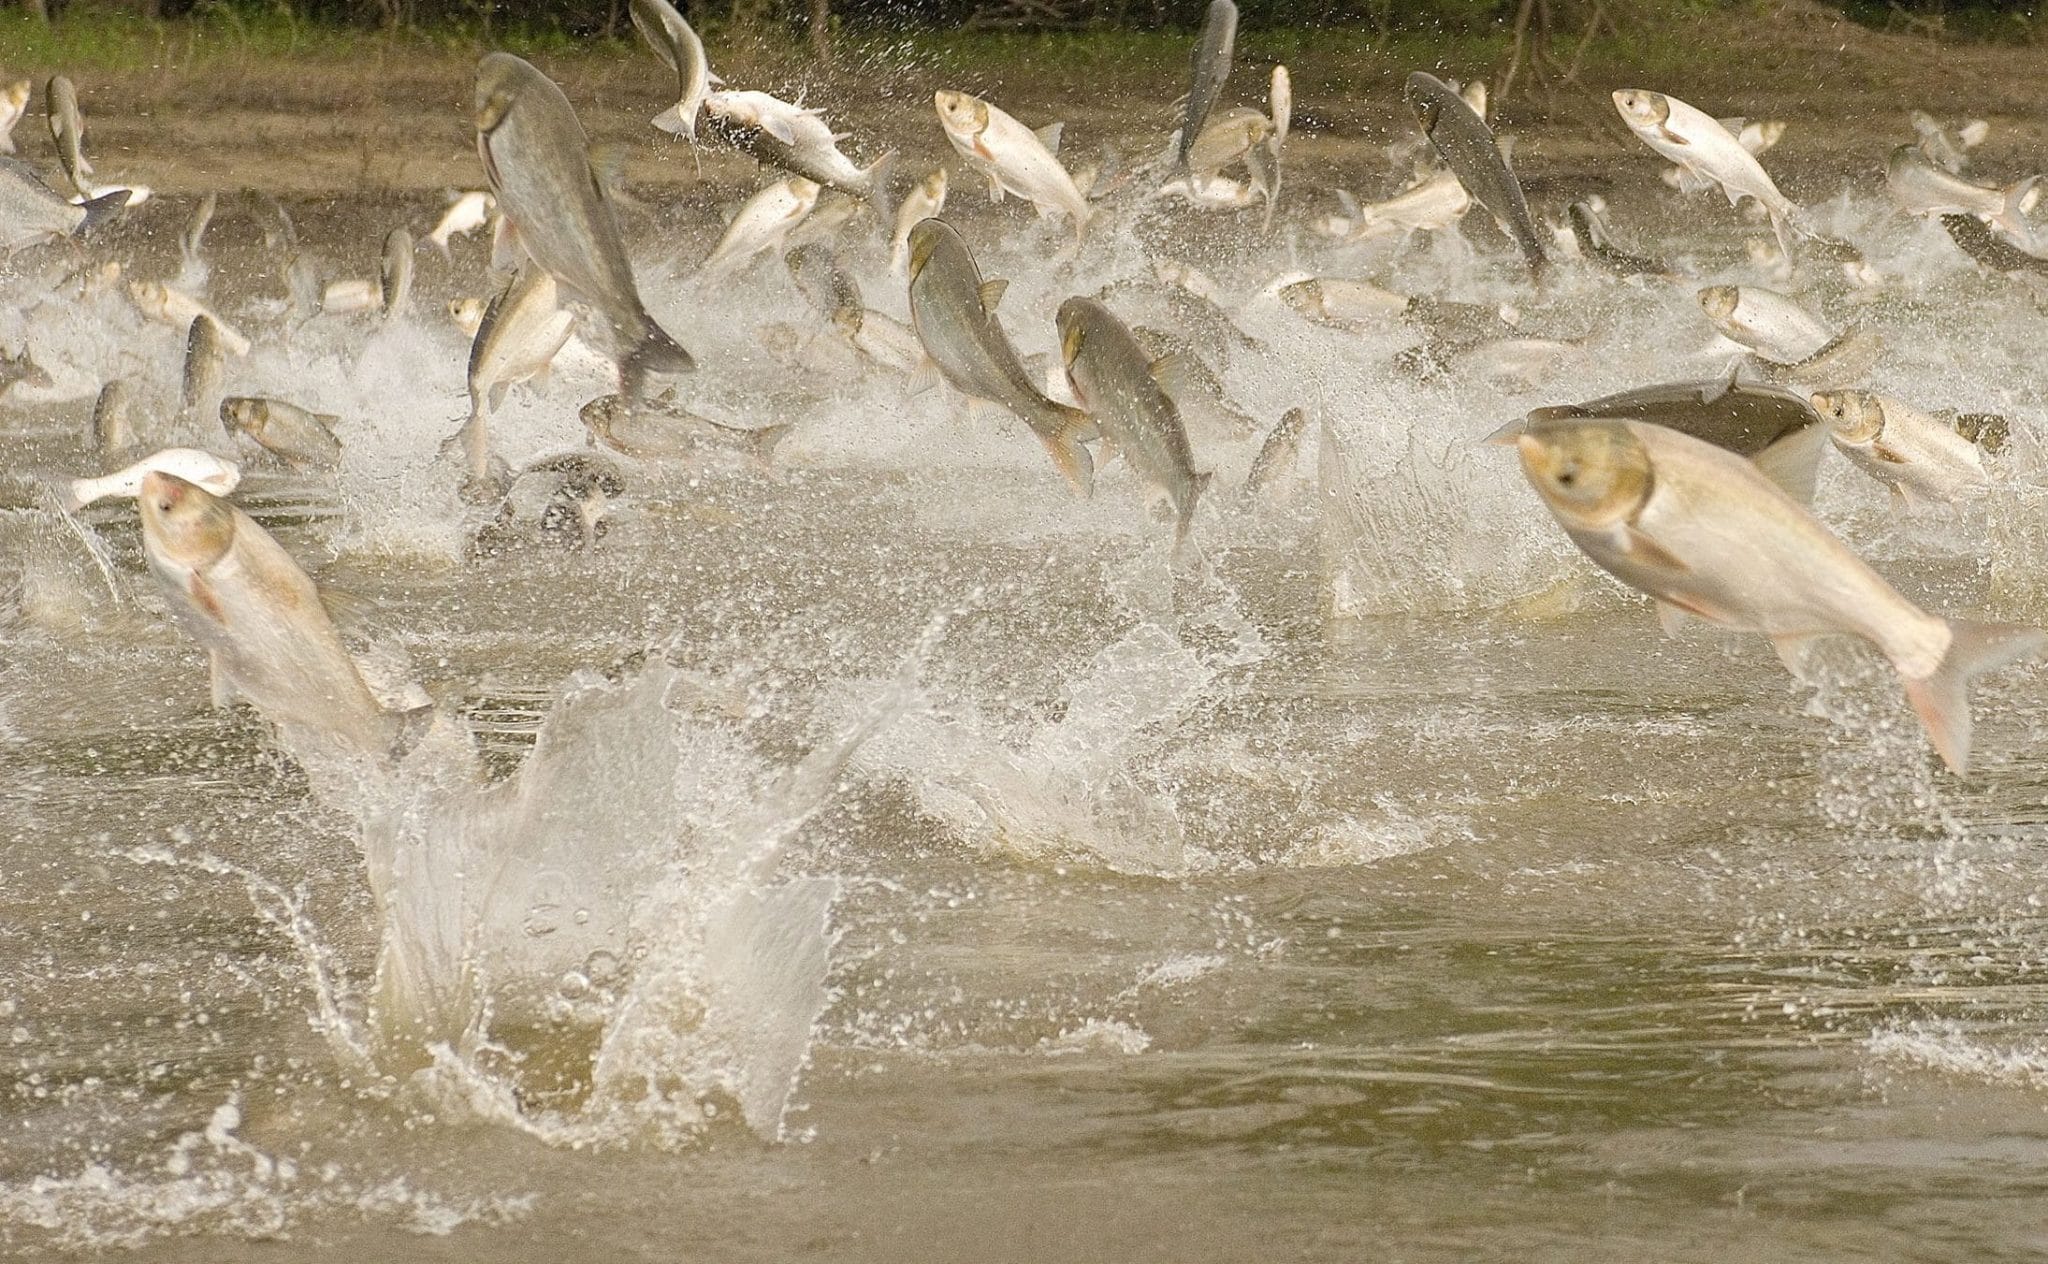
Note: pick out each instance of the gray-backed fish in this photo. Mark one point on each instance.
(67, 129)
(1976, 239)
(1589, 230)
(954, 313)
(1775, 428)
(660, 430)
(394, 276)
(673, 40)
(1468, 147)
(1208, 69)
(205, 375)
(1278, 454)
(824, 280)
(538, 160)
(111, 431)
(32, 212)
(1119, 386)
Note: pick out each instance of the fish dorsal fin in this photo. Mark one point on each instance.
(1505, 145)
(1793, 461)
(1169, 371)
(992, 294)
(1049, 136)
(1734, 124)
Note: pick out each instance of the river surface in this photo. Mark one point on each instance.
(893, 857)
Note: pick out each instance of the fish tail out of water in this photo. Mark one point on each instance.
(656, 353)
(102, 209)
(1071, 459)
(1942, 699)
(1187, 511)
(672, 121)
(879, 195)
(2012, 212)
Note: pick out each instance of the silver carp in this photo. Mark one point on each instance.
(1468, 147)
(1119, 386)
(676, 43)
(299, 437)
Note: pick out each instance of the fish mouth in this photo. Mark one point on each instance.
(921, 250)
(491, 111)
(1072, 335)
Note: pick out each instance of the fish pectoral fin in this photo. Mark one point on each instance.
(995, 186)
(925, 376)
(1049, 136)
(992, 294)
(1643, 551)
(1664, 133)
(1887, 454)
(779, 128)
(203, 597)
(1169, 371)
(218, 686)
(1791, 649)
(1672, 618)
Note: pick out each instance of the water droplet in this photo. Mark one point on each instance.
(601, 966)
(582, 917)
(573, 986)
(543, 919)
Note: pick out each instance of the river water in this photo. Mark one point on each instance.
(887, 855)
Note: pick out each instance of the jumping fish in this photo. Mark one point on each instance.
(268, 639)
(1776, 429)
(1921, 459)
(1589, 231)
(1919, 187)
(922, 203)
(1208, 69)
(824, 281)
(1435, 201)
(394, 276)
(1228, 140)
(32, 212)
(538, 161)
(1765, 321)
(954, 313)
(677, 44)
(1119, 387)
(111, 431)
(1945, 147)
(1014, 158)
(466, 212)
(176, 308)
(299, 437)
(13, 104)
(1706, 534)
(67, 129)
(1709, 155)
(1278, 454)
(798, 141)
(762, 224)
(194, 466)
(1342, 303)
(192, 269)
(1976, 239)
(523, 329)
(658, 430)
(203, 382)
(1467, 146)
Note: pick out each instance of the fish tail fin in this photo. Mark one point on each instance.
(762, 443)
(1069, 457)
(656, 352)
(2012, 211)
(1187, 511)
(1942, 698)
(878, 173)
(672, 121)
(1787, 224)
(102, 209)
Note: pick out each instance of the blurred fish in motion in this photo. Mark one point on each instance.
(301, 438)
(466, 213)
(1119, 387)
(1208, 69)
(394, 277)
(954, 313)
(1767, 322)
(522, 331)
(205, 376)
(799, 141)
(673, 40)
(1920, 187)
(1708, 154)
(660, 430)
(1921, 459)
(268, 639)
(1945, 147)
(1279, 454)
(1468, 147)
(190, 464)
(762, 223)
(67, 129)
(13, 105)
(1011, 156)
(922, 203)
(111, 431)
(178, 309)
(32, 213)
(538, 161)
(1706, 534)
